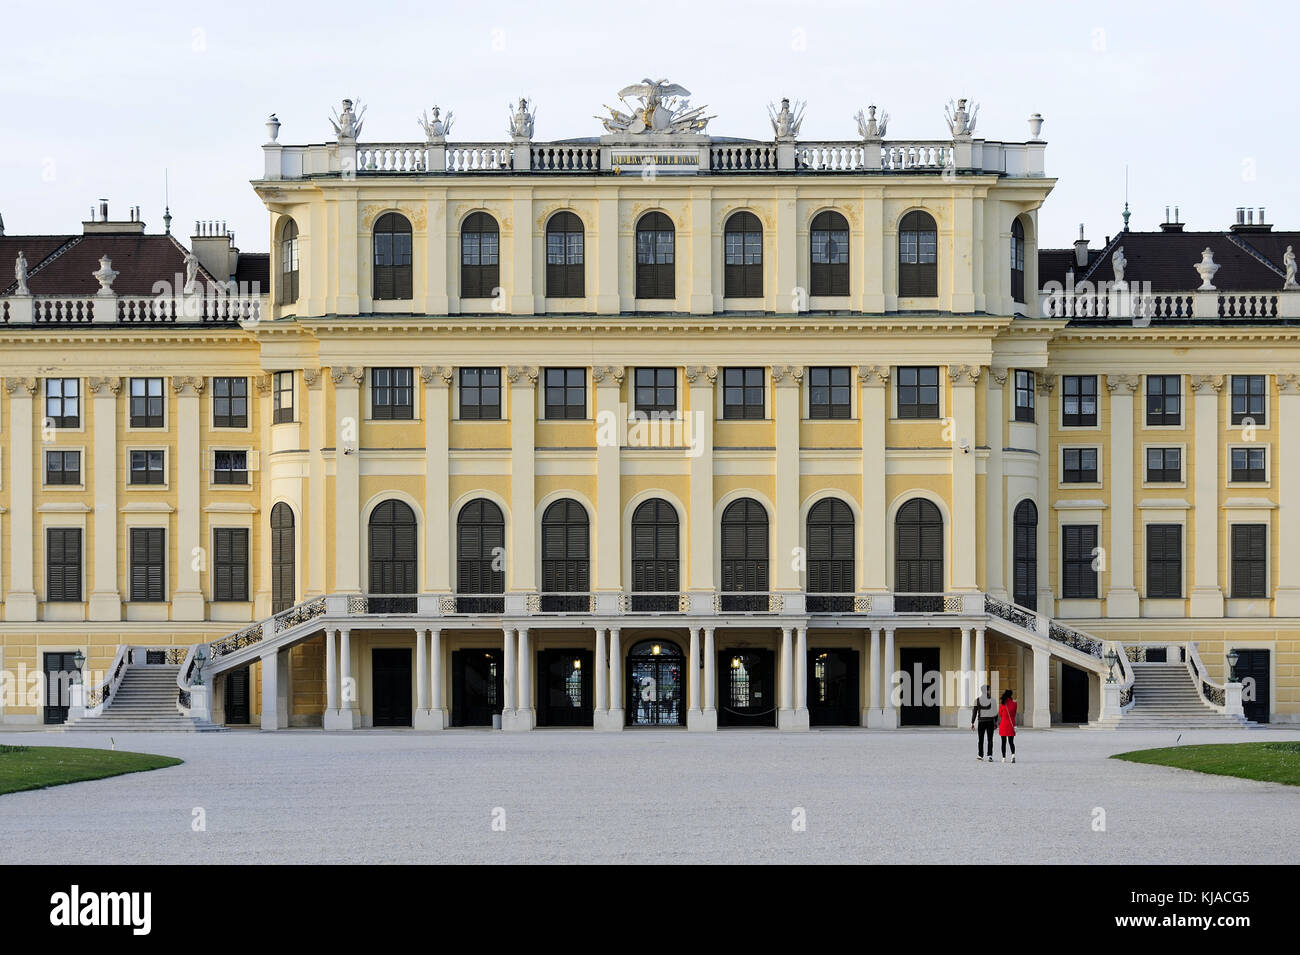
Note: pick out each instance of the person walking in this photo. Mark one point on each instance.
(985, 714)
(1006, 725)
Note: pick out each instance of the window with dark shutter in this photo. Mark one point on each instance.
(230, 564)
(392, 269)
(1079, 401)
(63, 564)
(743, 393)
(744, 556)
(655, 268)
(1164, 560)
(480, 557)
(1164, 401)
(831, 557)
(1249, 560)
(566, 557)
(1249, 465)
(284, 582)
(393, 562)
(830, 395)
(1024, 555)
(148, 467)
(918, 256)
(63, 402)
(742, 249)
(146, 402)
(1078, 554)
(918, 548)
(655, 565)
(829, 254)
(289, 263)
(480, 256)
(1017, 261)
(1250, 399)
(230, 402)
(565, 397)
(282, 398)
(231, 467)
(655, 391)
(148, 563)
(1164, 465)
(1079, 466)
(565, 256)
(918, 392)
(63, 468)
(480, 394)
(392, 394)
(1025, 396)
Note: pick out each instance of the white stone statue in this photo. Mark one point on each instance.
(521, 120)
(961, 123)
(785, 121)
(868, 126)
(20, 273)
(436, 128)
(1118, 263)
(191, 272)
(665, 108)
(105, 275)
(1206, 269)
(1288, 260)
(347, 124)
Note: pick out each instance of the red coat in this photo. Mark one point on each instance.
(1007, 718)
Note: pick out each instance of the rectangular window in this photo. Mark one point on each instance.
(1024, 396)
(655, 391)
(63, 402)
(742, 393)
(1078, 553)
(146, 402)
(1249, 465)
(392, 394)
(918, 392)
(1079, 466)
(148, 563)
(230, 563)
(147, 467)
(230, 467)
(830, 394)
(480, 394)
(230, 402)
(63, 563)
(283, 397)
(566, 394)
(1164, 465)
(1164, 560)
(1249, 399)
(1079, 401)
(1164, 401)
(1250, 560)
(63, 467)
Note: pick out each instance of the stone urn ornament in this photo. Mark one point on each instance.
(105, 276)
(272, 128)
(1206, 269)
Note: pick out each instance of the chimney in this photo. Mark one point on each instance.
(215, 248)
(101, 224)
(1246, 221)
(1081, 249)
(1171, 225)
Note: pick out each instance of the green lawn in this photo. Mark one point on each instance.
(35, 767)
(1269, 762)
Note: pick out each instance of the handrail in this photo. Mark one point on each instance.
(747, 601)
(98, 697)
(1212, 693)
(255, 632)
(838, 602)
(184, 680)
(909, 602)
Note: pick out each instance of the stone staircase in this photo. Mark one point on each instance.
(1165, 697)
(144, 702)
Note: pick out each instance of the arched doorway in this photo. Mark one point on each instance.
(656, 694)
(918, 557)
(283, 572)
(480, 557)
(1024, 555)
(393, 563)
(830, 557)
(566, 563)
(744, 556)
(655, 557)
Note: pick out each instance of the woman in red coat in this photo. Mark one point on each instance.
(1007, 723)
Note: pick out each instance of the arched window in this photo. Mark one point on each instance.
(289, 263)
(480, 557)
(393, 556)
(566, 558)
(830, 557)
(564, 257)
(655, 269)
(392, 257)
(656, 685)
(918, 256)
(1024, 556)
(655, 562)
(918, 557)
(283, 565)
(743, 252)
(830, 254)
(744, 556)
(480, 256)
(1017, 261)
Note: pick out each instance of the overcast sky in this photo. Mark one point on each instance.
(1197, 99)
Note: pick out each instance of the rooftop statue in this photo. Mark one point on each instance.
(868, 126)
(786, 122)
(191, 272)
(961, 122)
(1118, 263)
(435, 127)
(1288, 261)
(665, 108)
(20, 273)
(347, 125)
(521, 120)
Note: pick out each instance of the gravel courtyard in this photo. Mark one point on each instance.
(572, 796)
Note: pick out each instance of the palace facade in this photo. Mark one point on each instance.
(649, 428)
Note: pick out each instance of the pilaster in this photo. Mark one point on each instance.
(789, 381)
(1122, 596)
(105, 598)
(1287, 597)
(1207, 594)
(700, 380)
(314, 534)
(873, 382)
(964, 524)
(608, 380)
(346, 544)
(1046, 384)
(188, 601)
(523, 414)
(20, 601)
(995, 486)
(437, 469)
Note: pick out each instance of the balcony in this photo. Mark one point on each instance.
(1132, 305)
(118, 310)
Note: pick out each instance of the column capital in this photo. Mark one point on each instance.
(998, 374)
(347, 376)
(1286, 383)
(522, 375)
(436, 376)
(1201, 382)
(1045, 382)
(28, 385)
(311, 377)
(189, 384)
(1128, 382)
(787, 376)
(263, 383)
(876, 376)
(608, 374)
(112, 384)
(694, 372)
(971, 374)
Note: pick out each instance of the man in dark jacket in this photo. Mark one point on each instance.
(984, 714)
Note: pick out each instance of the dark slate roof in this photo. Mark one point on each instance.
(140, 260)
(254, 267)
(35, 248)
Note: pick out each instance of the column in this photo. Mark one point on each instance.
(606, 272)
(522, 252)
(800, 673)
(964, 543)
(331, 674)
(523, 405)
(260, 538)
(981, 664)
(437, 503)
(20, 601)
(436, 709)
(436, 284)
(1207, 595)
(1287, 596)
(346, 543)
(600, 713)
(508, 681)
(788, 380)
(187, 602)
(874, 396)
(693, 681)
(1121, 595)
(526, 716)
(608, 561)
(785, 680)
(710, 714)
(275, 686)
(872, 716)
(1042, 422)
(701, 255)
(105, 598)
(700, 380)
(348, 714)
(315, 536)
(1042, 715)
(421, 715)
(890, 711)
(615, 681)
(995, 487)
(963, 682)
(786, 296)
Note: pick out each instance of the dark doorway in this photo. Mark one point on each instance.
(1252, 666)
(1074, 694)
(564, 687)
(1024, 556)
(566, 557)
(833, 687)
(747, 688)
(392, 686)
(922, 688)
(744, 556)
(477, 686)
(480, 546)
(655, 566)
(59, 668)
(393, 557)
(655, 690)
(918, 558)
(237, 708)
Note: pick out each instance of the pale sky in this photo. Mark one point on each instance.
(1198, 99)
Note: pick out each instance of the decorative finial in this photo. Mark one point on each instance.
(786, 121)
(273, 127)
(105, 276)
(347, 124)
(436, 127)
(961, 122)
(1206, 269)
(1035, 126)
(521, 120)
(1126, 215)
(665, 109)
(868, 126)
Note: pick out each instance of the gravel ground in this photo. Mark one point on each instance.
(658, 796)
